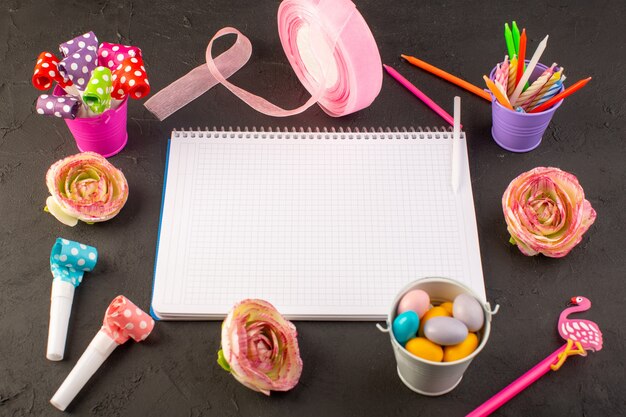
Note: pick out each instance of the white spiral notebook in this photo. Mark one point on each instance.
(325, 225)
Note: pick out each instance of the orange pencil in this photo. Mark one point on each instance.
(571, 90)
(499, 96)
(521, 59)
(448, 77)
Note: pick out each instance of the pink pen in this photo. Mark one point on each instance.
(413, 89)
(581, 336)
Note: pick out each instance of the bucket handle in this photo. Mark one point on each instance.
(382, 329)
(492, 312)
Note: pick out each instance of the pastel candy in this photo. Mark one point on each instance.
(467, 309)
(437, 311)
(445, 331)
(447, 306)
(98, 92)
(416, 300)
(462, 350)
(425, 349)
(130, 79)
(80, 59)
(111, 55)
(405, 326)
(46, 72)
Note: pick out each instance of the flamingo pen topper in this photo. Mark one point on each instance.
(581, 336)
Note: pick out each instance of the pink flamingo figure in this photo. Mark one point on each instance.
(583, 334)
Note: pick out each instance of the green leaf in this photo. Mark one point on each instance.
(512, 241)
(221, 360)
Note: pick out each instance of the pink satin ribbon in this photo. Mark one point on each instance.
(348, 76)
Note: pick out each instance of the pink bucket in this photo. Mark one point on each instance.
(105, 134)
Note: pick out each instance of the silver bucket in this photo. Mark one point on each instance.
(427, 377)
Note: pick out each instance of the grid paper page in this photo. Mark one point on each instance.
(321, 228)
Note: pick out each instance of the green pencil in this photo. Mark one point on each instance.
(516, 37)
(508, 37)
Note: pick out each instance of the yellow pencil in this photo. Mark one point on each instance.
(494, 90)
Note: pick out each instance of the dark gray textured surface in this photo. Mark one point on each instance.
(348, 367)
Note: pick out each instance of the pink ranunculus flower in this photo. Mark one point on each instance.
(85, 187)
(260, 348)
(546, 212)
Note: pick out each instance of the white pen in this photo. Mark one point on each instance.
(456, 145)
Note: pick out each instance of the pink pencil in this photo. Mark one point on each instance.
(517, 386)
(413, 89)
(581, 336)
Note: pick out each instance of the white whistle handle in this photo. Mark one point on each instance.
(96, 353)
(60, 310)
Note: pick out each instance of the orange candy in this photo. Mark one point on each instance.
(462, 350)
(425, 349)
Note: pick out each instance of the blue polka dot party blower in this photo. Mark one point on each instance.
(68, 262)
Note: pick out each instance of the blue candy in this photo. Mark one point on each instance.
(405, 326)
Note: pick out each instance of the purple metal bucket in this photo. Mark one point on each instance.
(520, 132)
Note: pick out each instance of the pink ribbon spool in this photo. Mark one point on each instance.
(329, 46)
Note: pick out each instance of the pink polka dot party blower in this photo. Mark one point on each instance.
(123, 320)
(93, 83)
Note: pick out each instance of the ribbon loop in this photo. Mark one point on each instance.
(329, 46)
(256, 102)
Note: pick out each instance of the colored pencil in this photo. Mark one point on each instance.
(447, 76)
(569, 91)
(521, 60)
(529, 69)
(496, 92)
(417, 93)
